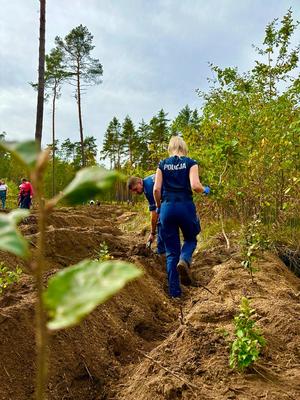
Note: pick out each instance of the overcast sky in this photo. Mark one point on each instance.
(154, 53)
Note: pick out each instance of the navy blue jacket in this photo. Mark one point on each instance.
(176, 182)
(148, 184)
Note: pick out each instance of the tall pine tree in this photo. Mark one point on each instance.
(84, 69)
(129, 139)
(143, 137)
(112, 144)
(187, 123)
(159, 134)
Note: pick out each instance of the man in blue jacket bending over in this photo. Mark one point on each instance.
(145, 186)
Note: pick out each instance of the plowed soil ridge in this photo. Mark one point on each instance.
(141, 345)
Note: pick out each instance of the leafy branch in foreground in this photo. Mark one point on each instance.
(246, 347)
(10, 238)
(77, 290)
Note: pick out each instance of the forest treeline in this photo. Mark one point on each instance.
(245, 136)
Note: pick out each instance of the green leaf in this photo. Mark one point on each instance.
(26, 152)
(88, 183)
(287, 190)
(75, 291)
(240, 333)
(285, 206)
(10, 238)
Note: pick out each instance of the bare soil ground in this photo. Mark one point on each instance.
(141, 345)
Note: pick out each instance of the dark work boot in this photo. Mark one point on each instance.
(184, 273)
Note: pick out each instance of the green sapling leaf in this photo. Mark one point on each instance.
(88, 183)
(75, 291)
(26, 152)
(10, 238)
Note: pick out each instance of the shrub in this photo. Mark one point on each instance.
(103, 253)
(8, 277)
(254, 241)
(246, 347)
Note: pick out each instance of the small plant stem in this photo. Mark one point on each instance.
(220, 212)
(224, 233)
(41, 329)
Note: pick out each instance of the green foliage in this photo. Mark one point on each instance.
(75, 291)
(159, 134)
(10, 238)
(130, 141)
(112, 144)
(12, 196)
(142, 156)
(25, 152)
(133, 149)
(55, 72)
(82, 70)
(92, 281)
(123, 145)
(222, 331)
(210, 234)
(64, 174)
(248, 134)
(248, 342)
(187, 123)
(254, 241)
(245, 138)
(70, 152)
(11, 168)
(8, 277)
(103, 253)
(88, 183)
(76, 47)
(280, 58)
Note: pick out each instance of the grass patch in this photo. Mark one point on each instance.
(212, 231)
(141, 221)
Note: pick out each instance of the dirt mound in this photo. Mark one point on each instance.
(86, 358)
(74, 234)
(142, 345)
(192, 362)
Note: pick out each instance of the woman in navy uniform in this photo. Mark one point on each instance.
(176, 178)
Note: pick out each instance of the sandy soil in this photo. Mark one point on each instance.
(142, 345)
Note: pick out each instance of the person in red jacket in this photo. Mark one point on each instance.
(25, 194)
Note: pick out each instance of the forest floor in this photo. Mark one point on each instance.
(141, 345)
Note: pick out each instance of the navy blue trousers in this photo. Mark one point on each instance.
(3, 197)
(160, 242)
(25, 201)
(175, 216)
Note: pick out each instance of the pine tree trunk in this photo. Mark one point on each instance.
(53, 141)
(80, 118)
(41, 78)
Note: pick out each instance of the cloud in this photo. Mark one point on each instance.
(17, 107)
(154, 54)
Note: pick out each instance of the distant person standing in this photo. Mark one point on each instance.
(3, 193)
(25, 194)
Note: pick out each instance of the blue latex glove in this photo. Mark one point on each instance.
(206, 190)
